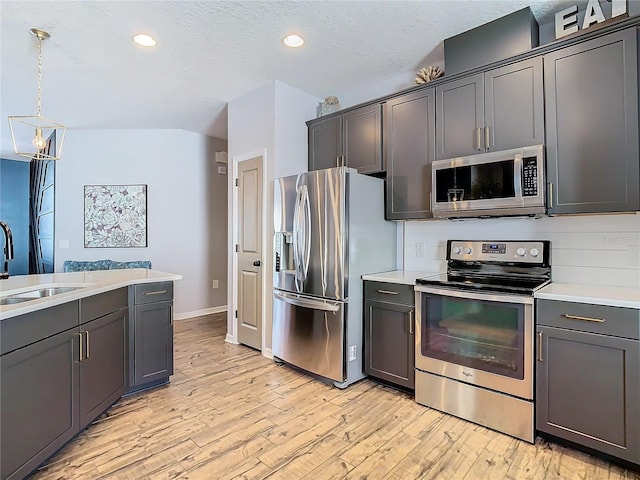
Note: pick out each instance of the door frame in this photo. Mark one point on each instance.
(232, 321)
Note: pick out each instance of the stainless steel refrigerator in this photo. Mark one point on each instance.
(329, 231)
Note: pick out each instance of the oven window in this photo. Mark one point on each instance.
(476, 182)
(478, 334)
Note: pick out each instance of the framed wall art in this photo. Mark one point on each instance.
(115, 216)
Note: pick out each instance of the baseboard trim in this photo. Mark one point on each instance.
(229, 339)
(267, 352)
(198, 313)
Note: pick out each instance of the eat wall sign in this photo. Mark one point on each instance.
(567, 19)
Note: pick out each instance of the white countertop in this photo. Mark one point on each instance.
(91, 283)
(405, 277)
(594, 294)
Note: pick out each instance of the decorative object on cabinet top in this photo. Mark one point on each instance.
(330, 105)
(426, 74)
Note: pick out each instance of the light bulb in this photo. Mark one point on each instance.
(38, 141)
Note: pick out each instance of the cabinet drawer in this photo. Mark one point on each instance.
(17, 332)
(616, 321)
(102, 304)
(389, 292)
(153, 292)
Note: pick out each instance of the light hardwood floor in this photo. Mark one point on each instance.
(230, 413)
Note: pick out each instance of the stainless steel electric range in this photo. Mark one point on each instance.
(474, 333)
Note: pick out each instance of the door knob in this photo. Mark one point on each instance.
(256, 263)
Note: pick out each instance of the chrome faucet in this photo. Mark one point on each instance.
(8, 249)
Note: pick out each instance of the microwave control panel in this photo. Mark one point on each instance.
(529, 177)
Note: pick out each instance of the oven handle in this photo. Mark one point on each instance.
(490, 297)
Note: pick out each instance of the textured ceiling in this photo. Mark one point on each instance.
(210, 52)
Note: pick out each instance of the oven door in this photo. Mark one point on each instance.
(481, 339)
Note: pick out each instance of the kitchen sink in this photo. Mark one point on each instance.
(35, 294)
(13, 300)
(43, 292)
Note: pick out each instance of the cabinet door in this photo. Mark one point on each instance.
(588, 390)
(389, 342)
(103, 366)
(591, 92)
(39, 397)
(153, 342)
(514, 105)
(409, 146)
(362, 130)
(460, 117)
(325, 143)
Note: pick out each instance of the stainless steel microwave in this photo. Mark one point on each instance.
(509, 182)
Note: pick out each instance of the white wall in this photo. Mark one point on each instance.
(269, 120)
(175, 166)
(590, 249)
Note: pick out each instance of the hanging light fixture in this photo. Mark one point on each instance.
(35, 136)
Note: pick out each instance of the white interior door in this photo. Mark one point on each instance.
(249, 247)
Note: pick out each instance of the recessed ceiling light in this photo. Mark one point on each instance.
(293, 41)
(144, 40)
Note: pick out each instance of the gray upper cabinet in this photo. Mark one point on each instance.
(409, 149)
(352, 139)
(460, 117)
(592, 125)
(325, 143)
(499, 109)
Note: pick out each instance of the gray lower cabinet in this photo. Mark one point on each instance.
(39, 400)
(592, 125)
(588, 376)
(60, 368)
(499, 109)
(103, 366)
(352, 139)
(389, 343)
(409, 149)
(151, 337)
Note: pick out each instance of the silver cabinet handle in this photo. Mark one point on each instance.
(478, 140)
(338, 160)
(410, 322)
(550, 195)
(80, 349)
(388, 292)
(487, 138)
(586, 319)
(87, 352)
(540, 347)
(158, 292)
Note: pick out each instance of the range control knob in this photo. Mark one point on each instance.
(457, 250)
(534, 252)
(521, 252)
(467, 250)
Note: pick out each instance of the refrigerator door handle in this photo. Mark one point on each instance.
(296, 238)
(307, 302)
(306, 238)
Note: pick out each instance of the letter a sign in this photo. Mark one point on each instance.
(567, 19)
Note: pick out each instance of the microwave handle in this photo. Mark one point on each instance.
(517, 175)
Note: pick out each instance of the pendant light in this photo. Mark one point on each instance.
(31, 133)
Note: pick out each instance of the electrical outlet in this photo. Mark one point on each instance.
(419, 249)
(214, 284)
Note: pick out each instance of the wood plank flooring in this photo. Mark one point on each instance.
(230, 413)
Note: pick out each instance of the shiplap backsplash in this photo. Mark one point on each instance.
(594, 249)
